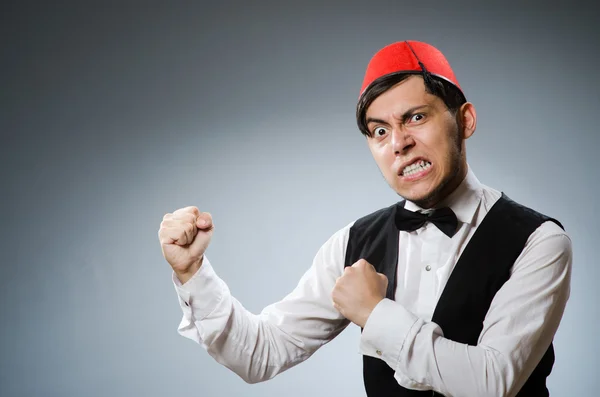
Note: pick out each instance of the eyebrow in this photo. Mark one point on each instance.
(407, 113)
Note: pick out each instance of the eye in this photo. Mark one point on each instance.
(379, 131)
(417, 117)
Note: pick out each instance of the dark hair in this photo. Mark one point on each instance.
(448, 92)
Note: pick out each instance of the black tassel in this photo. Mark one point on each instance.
(426, 76)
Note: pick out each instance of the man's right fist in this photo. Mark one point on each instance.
(184, 236)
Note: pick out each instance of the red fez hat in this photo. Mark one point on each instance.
(408, 57)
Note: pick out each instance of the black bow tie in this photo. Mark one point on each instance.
(443, 218)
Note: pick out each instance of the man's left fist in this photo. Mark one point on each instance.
(358, 291)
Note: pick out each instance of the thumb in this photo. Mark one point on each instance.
(204, 221)
(201, 241)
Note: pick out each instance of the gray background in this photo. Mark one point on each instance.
(114, 114)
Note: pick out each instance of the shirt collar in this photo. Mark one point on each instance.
(464, 200)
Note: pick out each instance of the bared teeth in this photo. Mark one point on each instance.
(417, 166)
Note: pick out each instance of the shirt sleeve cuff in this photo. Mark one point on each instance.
(386, 330)
(200, 295)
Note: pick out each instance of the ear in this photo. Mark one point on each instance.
(467, 118)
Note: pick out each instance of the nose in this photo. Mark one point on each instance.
(402, 141)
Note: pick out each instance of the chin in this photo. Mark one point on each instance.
(423, 199)
(418, 199)
(411, 196)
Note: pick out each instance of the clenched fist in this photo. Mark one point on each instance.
(184, 236)
(358, 291)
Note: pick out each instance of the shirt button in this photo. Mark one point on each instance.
(378, 352)
(187, 304)
(428, 268)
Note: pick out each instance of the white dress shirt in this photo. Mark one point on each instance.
(518, 328)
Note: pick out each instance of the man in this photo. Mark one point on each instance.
(457, 289)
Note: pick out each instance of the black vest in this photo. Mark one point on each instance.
(483, 267)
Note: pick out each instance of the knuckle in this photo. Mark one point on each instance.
(186, 210)
(190, 218)
(178, 216)
(335, 295)
(189, 210)
(360, 263)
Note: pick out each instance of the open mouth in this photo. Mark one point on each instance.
(415, 168)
